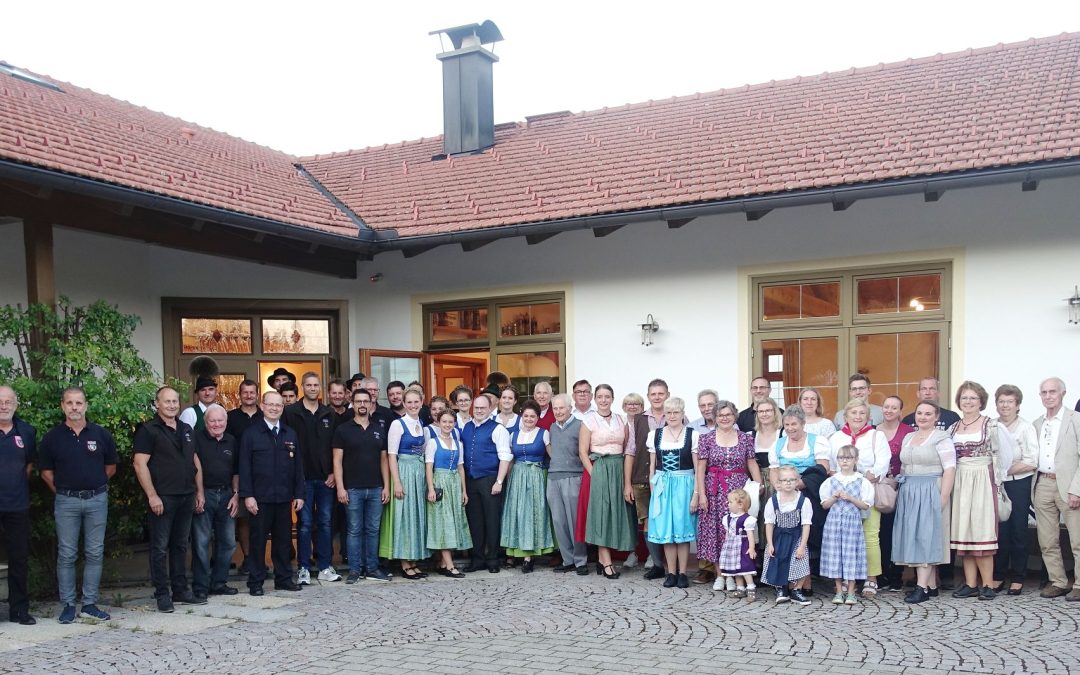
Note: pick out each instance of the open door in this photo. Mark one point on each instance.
(387, 365)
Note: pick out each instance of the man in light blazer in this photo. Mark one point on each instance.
(1057, 485)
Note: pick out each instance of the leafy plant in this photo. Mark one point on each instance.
(87, 346)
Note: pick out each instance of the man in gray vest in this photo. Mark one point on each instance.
(564, 485)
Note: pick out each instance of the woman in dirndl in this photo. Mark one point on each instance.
(921, 527)
(406, 440)
(526, 521)
(674, 474)
(611, 522)
(983, 456)
(447, 527)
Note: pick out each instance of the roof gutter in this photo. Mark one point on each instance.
(362, 243)
(931, 185)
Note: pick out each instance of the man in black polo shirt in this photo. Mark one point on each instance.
(18, 450)
(272, 486)
(77, 460)
(313, 423)
(239, 420)
(169, 473)
(218, 457)
(378, 414)
(362, 474)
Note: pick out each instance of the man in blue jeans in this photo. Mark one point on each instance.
(362, 477)
(313, 423)
(219, 458)
(77, 460)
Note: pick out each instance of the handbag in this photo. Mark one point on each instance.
(885, 494)
(753, 488)
(438, 494)
(1004, 504)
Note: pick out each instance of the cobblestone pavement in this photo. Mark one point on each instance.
(558, 623)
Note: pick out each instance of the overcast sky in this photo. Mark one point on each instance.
(311, 77)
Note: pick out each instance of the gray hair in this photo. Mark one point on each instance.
(707, 392)
(674, 404)
(540, 386)
(561, 399)
(720, 405)
(795, 411)
(214, 407)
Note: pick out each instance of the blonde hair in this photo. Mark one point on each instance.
(740, 497)
(788, 468)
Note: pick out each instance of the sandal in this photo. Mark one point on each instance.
(737, 593)
(751, 594)
(613, 574)
(870, 589)
(412, 573)
(453, 573)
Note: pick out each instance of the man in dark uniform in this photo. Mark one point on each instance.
(205, 395)
(313, 423)
(18, 451)
(272, 486)
(169, 473)
(77, 460)
(218, 456)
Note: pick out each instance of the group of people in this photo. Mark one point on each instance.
(768, 493)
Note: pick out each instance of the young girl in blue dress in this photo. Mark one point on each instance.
(847, 495)
(788, 515)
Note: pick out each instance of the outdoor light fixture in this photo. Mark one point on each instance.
(649, 327)
(1074, 305)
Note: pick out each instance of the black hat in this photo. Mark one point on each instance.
(280, 371)
(356, 377)
(203, 382)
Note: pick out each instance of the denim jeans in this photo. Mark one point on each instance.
(318, 507)
(364, 514)
(214, 520)
(87, 517)
(169, 535)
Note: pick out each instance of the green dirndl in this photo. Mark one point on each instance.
(409, 519)
(386, 529)
(612, 522)
(447, 528)
(526, 521)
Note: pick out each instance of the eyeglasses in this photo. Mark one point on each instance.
(581, 391)
(725, 416)
(843, 457)
(969, 398)
(788, 480)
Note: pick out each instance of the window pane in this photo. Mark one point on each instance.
(809, 362)
(303, 336)
(895, 362)
(228, 389)
(901, 294)
(386, 369)
(540, 319)
(456, 325)
(216, 336)
(801, 301)
(525, 370)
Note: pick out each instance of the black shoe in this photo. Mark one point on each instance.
(583, 571)
(223, 589)
(288, 586)
(189, 598)
(895, 586)
(918, 595)
(933, 592)
(23, 620)
(670, 581)
(475, 567)
(527, 567)
(987, 593)
(494, 569)
(612, 574)
(799, 598)
(782, 596)
(966, 591)
(808, 592)
(599, 569)
(164, 604)
(682, 581)
(256, 591)
(654, 573)
(562, 569)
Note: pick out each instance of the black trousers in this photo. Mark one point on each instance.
(15, 532)
(275, 519)
(169, 534)
(1010, 561)
(484, 512)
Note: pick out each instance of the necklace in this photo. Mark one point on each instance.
(967, 424)
(607, 416)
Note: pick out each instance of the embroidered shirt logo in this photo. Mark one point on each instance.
(91, 446)
(19, 443)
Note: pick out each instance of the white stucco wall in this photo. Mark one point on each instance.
(1014, 256)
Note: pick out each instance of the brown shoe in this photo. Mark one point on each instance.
(1074, 595)
(1052, 591)
(704, 577)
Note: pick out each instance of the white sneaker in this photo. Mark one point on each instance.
(730, 583)
(329, 574)
(303, 576)
(719, 584)
(631, 561)
(649, 563)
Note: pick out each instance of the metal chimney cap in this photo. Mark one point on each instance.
(487, 32)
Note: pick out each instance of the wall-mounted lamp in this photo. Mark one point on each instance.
(647, 329)
(1074, 305)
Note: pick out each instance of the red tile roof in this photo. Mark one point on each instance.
(1008, 104)
(1004, 105)
(95, 136)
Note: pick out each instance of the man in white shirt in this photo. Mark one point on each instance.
(706, 403)
(205, 395)
(583, 399)
(859, 387)
(1057, 486)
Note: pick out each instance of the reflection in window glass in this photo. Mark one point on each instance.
(459, 324)
(386, 369)
(541, 319)
(901, 294)
(216, 336)
(895, 362)
(299, 336)
(803, 362)
(801, 301)
(527, 369)
(228, 389)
